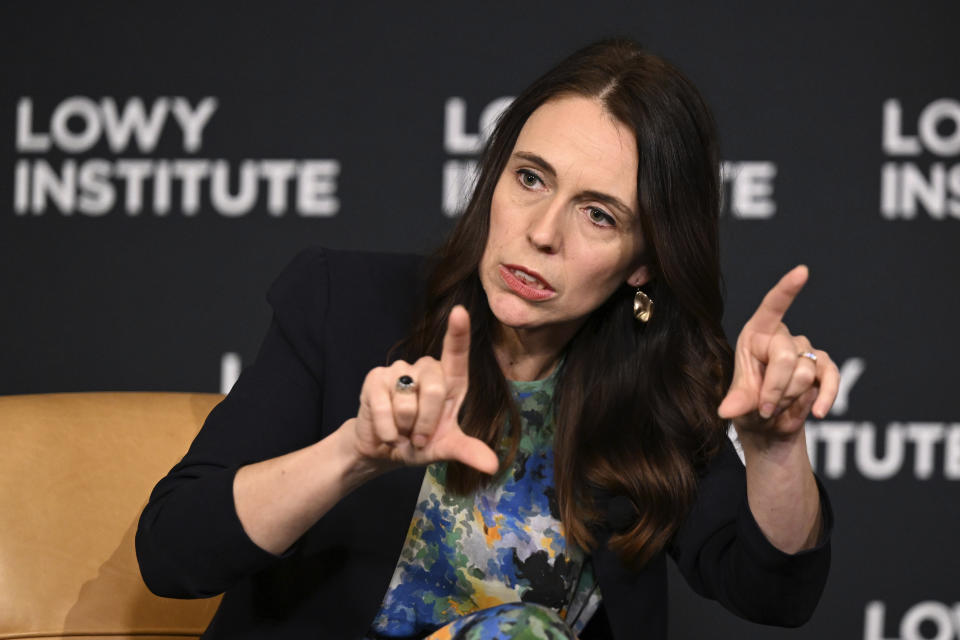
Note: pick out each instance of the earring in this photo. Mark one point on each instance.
(642, 307)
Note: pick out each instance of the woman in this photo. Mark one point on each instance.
(566, 380)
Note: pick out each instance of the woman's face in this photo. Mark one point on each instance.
(564, 230)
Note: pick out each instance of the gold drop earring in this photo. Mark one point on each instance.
(642, 306)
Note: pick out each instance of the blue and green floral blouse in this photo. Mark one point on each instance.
(502, 544)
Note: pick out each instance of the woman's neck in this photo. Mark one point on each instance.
(529, 355)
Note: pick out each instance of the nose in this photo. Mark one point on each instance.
(544, 230)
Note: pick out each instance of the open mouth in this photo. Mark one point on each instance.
(527, 285)
(528, 279)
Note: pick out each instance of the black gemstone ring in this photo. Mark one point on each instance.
(406, 383)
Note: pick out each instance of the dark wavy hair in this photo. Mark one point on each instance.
(635, 406)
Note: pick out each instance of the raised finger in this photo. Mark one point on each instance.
(774, 305)
(455, 357)
(781, 360)
(432, 393)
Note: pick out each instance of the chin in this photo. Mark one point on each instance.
(514, 312)
(519, 314)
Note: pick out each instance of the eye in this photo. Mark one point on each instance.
(528, 178)
(600, 217)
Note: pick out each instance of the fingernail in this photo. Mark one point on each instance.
(419, 440)
(767, 409)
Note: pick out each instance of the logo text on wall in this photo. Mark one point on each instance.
(928, 620)
(926, 450)
(135, 181)
(923, 167)
(748, 185)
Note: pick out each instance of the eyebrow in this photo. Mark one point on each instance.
(592, 195)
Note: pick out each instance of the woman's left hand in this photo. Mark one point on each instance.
(778, 378)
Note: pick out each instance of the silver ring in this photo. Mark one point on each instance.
(808, 354)
(406, 383)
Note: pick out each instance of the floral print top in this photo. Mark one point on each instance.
(502, 544)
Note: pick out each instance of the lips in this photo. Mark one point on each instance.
(528, 284)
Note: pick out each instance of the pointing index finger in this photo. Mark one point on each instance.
(774, 306)
(455, 358)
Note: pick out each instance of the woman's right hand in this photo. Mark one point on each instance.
(278, 499)
(418, 426)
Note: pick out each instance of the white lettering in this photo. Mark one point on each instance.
(905, 187)
(835, 436)
(752, 189)
(455, 136)
(191, 174)
(850, 372)
(118, 127)
(316, 188)
(97, 194)
(942, 619)
(21, 181)
(59, 188)
(915, 187)
(27, 140)
(934, 612)
(489, 116)
(456, 139)
(133, 121)
(193, 121)
(459, 177)
(951, 454)
(87, 112)
(220, 196)
(954, 182)
(92, 186)
(924, 436)
(874, 622)
(161, 188)
(889, 188)
(133, 172)
(943, 110)
(277, 173)
(894, 142)
(867, 461)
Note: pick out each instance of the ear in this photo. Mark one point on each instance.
(639, 276)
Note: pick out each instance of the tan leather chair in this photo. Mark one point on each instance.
(75, 471)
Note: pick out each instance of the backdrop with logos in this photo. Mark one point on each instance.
(162, 163)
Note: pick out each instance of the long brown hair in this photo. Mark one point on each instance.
(635, 405)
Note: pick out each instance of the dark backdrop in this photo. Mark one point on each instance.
(841, 133)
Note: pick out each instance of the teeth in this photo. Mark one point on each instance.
(527, 278)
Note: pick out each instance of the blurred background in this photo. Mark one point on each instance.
(161, 162)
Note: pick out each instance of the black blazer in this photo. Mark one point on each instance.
(336, 315)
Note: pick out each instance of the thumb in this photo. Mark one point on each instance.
(736, 403)
(470, 451)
